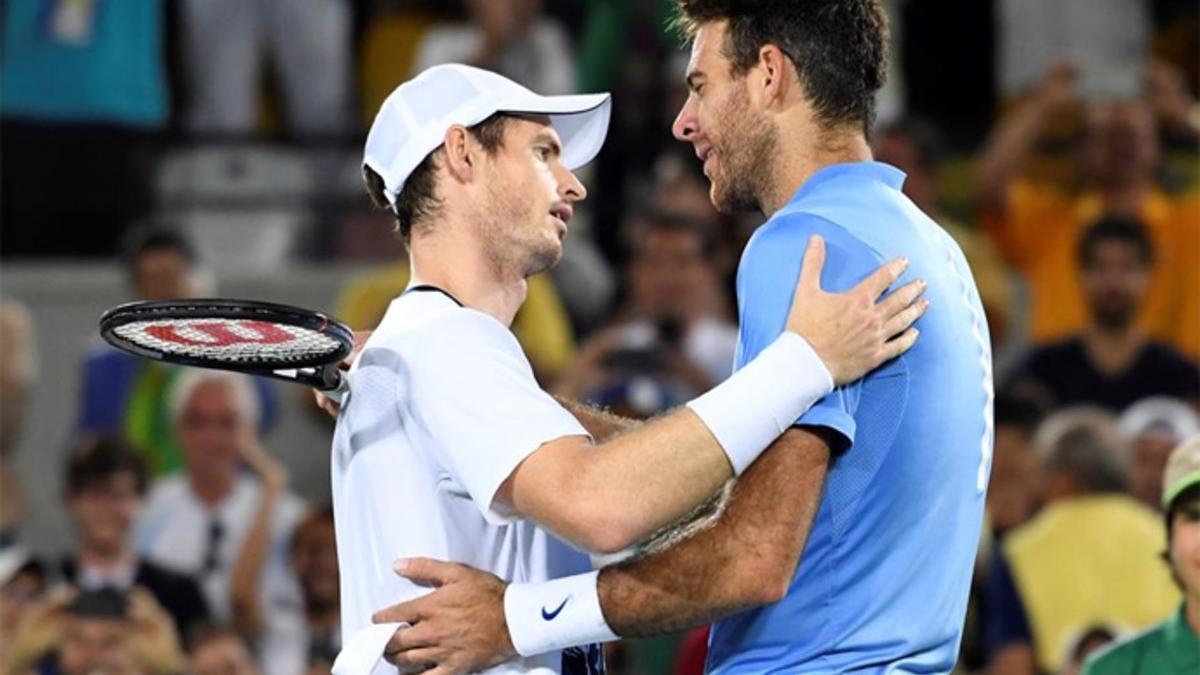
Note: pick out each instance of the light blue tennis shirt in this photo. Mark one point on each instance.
(882, 584)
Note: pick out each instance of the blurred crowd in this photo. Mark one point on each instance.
(1056, 140)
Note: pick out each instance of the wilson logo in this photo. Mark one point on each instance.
(223, 334)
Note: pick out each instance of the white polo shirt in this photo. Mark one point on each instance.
(444, 406)
(174, 530)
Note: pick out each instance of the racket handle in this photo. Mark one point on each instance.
(340, 389)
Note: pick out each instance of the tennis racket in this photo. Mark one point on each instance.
(258, 338)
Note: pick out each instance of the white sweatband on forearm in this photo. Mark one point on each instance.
(557, 614)
(759, 402)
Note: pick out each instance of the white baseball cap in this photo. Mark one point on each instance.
(414, 118)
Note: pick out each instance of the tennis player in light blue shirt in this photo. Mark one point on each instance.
(884, 577)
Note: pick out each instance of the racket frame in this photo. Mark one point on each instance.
(320, 372)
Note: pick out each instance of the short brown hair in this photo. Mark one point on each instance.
(102, 459)
(838, 47)
(418, 198)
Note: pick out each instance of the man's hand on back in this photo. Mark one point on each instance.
(459, 627)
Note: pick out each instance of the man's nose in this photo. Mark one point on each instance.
(685, 126)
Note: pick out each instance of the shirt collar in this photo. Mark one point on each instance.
(862, 171)
(1182, 645)
(120, 577)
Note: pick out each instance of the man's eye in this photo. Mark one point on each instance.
(543, 153)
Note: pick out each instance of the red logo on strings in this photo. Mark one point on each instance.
(221, 335)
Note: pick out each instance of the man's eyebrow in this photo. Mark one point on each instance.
(555, 146)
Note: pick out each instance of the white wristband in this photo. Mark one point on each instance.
(759, 402)
(556, 614)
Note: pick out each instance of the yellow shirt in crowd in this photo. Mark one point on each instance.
(1039, 233)
(1089, 561)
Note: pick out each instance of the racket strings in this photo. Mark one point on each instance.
(230, 340)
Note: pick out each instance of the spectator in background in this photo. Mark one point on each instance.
(1089, 643)
(217, 650)
(106, 482)
(126, 395)
(1152, 429)
(293, 640)
(83, 99)
(1087, 560)
(226, 43)
(196, 522)
(1172, 646)
(18, 369)
(98, 631)
(672, 337)
(1112, 362)
(1037, 225)
(915, 146)
(1012, 499)
(1013, 489)
(510, 37)
(22, 586)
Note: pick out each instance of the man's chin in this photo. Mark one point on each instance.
(729, 204)
(543, 260)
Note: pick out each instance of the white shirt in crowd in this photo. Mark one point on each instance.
(443, 407)
(175, 530)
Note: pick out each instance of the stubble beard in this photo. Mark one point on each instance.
(508, 227)
(744, 151)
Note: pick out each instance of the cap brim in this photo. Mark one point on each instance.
(581, 121)
(1182, 483)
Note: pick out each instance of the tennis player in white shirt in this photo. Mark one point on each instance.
(447, 447)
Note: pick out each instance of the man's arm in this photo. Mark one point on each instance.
(746, 559)
(601, 424)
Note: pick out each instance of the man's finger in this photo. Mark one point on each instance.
(900, 344)
(874, 285)
(814, 262)
(907, 317)
(408, 638)
(412, 659)
(427, 571)
(901, 298)
(409, 612)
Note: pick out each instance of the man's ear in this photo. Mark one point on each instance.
(774, 75)
(459, 153)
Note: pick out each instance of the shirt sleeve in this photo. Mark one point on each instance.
(767, 280)
(473, 393)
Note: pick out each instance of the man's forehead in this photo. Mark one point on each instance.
(706, 47)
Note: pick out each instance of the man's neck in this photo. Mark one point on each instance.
(795, 164)
(1112, 350)
(102, 558)
(458, 264)
(213, 490)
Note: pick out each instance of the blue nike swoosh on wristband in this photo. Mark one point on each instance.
(549, 616)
